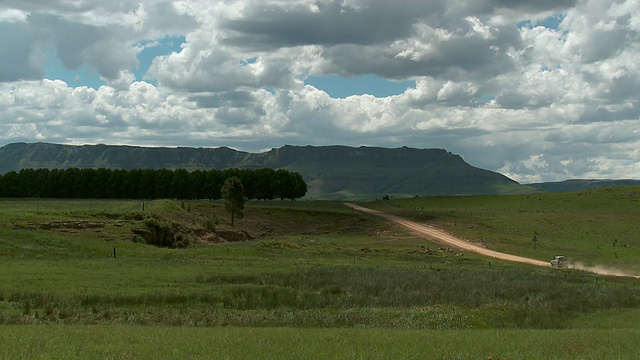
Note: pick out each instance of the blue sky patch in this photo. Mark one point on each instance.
(552, 22)
(164, 46)
(84, 76)
(248, 61)
(88, 76)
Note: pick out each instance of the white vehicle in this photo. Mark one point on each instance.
(560, 261)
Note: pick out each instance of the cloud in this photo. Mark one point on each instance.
(289, 24)
(22, 55)
(377, 37)
(536, 103)
(95, 33)
(77, 44)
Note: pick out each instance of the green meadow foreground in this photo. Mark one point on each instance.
(137, 342)
(320, 281)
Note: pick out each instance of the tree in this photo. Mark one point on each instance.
(264, 180)
(213, 184)
(262, 184)
(180, 184)
(299, 187)
(163, 184)
(288, 185)
(233, 194)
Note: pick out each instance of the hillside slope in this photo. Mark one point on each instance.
(332, 172)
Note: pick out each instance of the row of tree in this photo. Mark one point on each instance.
(260, 184)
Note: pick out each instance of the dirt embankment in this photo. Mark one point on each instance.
(450, 240)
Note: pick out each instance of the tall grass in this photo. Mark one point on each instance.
(343, 296)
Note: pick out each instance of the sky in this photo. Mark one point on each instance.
(543, 90)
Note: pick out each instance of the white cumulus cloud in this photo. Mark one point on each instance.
(492, 84)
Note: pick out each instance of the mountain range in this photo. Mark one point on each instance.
(331, 172)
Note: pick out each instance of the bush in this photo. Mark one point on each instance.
(180, 241)
(161, 234)
(210, 224)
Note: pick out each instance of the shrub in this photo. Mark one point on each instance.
(162, 234)
(210, 224)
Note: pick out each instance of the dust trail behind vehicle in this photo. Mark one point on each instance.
(601, 270)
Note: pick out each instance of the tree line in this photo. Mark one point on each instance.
(103, 183)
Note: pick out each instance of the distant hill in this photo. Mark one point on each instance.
(578, 184)
(331, 172)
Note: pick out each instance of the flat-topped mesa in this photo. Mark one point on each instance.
(331, 172)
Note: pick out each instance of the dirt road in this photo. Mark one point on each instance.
(450, 240)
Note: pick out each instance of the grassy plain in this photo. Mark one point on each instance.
(597, 227)
(319, 280)
(143, 342)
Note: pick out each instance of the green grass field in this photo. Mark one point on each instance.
(592, 227)
(319, 280)
(136, 342)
